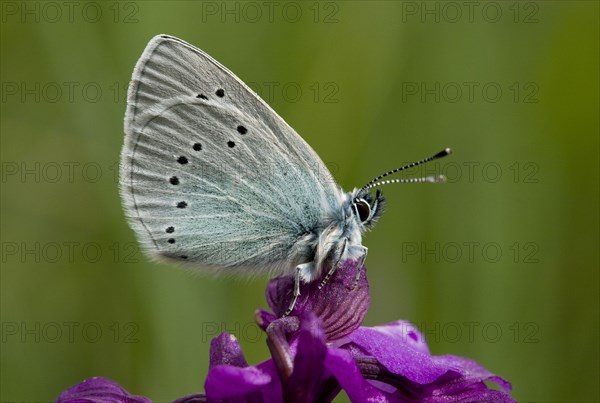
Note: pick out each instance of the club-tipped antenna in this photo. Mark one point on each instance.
(432, 179)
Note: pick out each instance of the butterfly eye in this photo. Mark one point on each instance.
(363, 209)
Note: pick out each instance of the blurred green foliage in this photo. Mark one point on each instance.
(500, 264)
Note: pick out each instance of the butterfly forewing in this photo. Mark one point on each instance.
(210, 174)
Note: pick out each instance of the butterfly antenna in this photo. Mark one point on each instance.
(431, 179)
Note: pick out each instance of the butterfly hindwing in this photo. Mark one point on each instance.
(210, 174)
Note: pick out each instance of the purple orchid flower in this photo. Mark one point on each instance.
(321, 349)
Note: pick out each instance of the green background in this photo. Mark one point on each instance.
(499, 265)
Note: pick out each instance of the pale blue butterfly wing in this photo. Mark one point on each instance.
(210, 174)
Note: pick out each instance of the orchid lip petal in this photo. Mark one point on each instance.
(338, 304)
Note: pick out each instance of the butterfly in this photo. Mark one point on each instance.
(212, 177)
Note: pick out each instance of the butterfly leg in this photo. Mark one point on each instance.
(334, 267)
(363, 256)
(303, 271)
